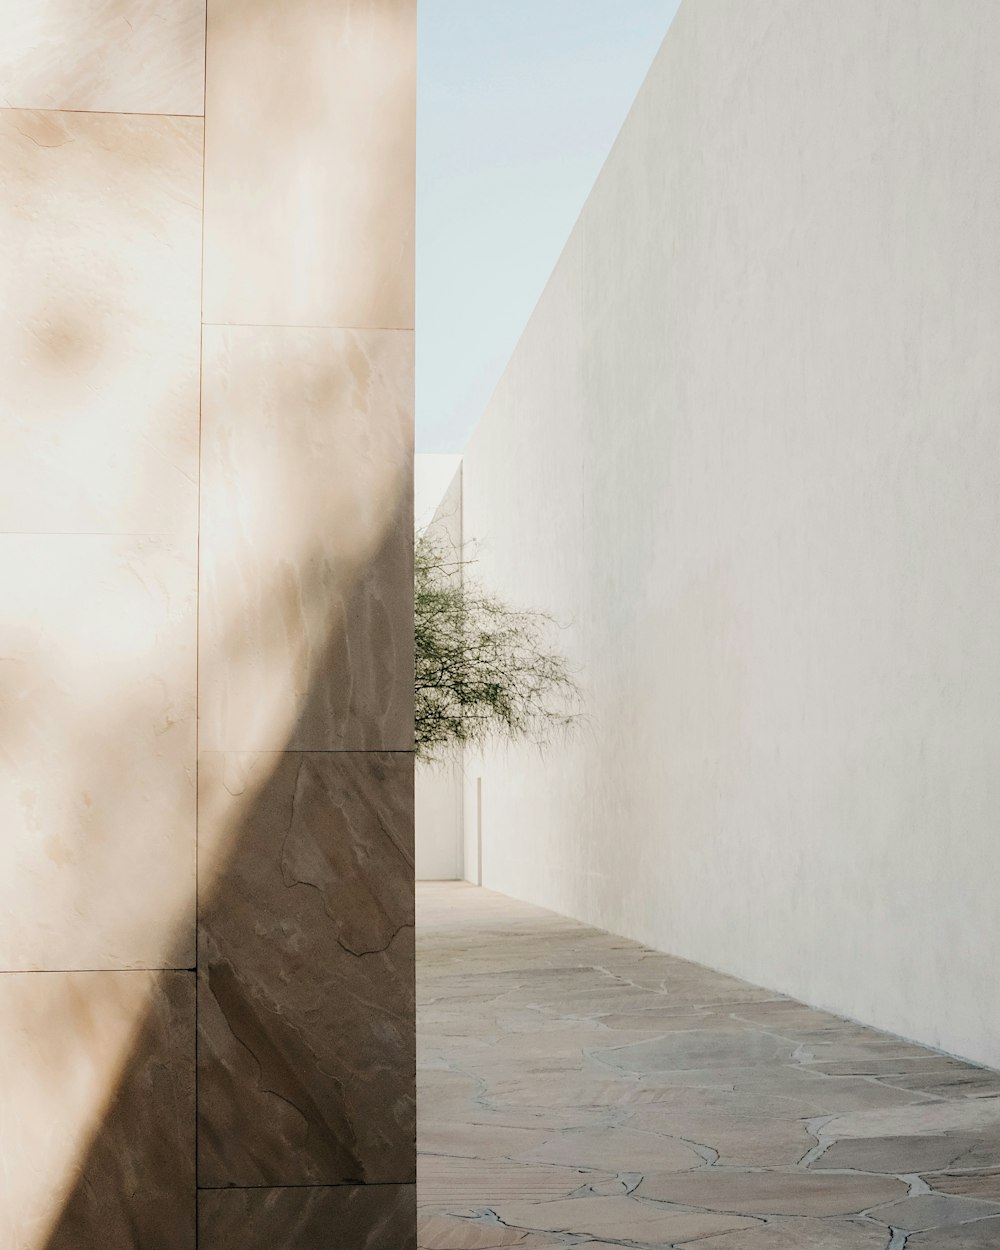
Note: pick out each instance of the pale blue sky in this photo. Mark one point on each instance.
(519, 102)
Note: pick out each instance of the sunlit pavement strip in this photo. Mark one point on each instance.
(578, 1089)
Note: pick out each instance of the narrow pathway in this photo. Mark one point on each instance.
(579, 1089)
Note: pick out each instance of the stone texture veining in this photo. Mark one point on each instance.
(307, 1066)
(323, 97)
(306, 1011)
(324, 1218)
(97, 1110)
(97, 752)
(305, 995)
(307, 633)
(577, 1089)
(100, 264)
(112, 56)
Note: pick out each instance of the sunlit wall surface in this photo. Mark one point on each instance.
(206, 345)
(747, 450)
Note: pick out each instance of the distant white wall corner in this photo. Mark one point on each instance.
(439, 798)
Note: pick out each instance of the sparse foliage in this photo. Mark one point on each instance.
(484, 671)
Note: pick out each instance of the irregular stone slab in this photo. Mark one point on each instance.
(745, 1131)
(699, 1050)
(364, 1217)
(533, 1020)
(549, 1120)
(447, 1095)
(440, 1051)
(672, 1022)
(545, 1056)
(783, 1015)
(456, 1024)
(558, 1090)
(305, 1009)
(614, 997)
(888, 1067)
(626, 1219)
(452, 1096)
(446, 1232)
(618, 1150)
(572, 1043)
(973, 1184)
(455, 1183)
(901, 1155)
(475, 1230)
(938, 1117)
(717, 1078)
(774, 1193)
(968, 1082)
(798, 1235)
(490, 984)
(542, 1241)
(481, 1141)
(845, 1046)
(983, 1235)
(824, 1095)
(915, 1215)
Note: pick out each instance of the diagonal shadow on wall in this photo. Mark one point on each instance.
(303, 997)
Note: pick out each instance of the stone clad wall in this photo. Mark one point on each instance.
(206, 341)
(747, 450)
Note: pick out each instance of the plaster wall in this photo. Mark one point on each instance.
(438, 821)
(747, 449)
(433, 477)
(206, 867)
(438, 800)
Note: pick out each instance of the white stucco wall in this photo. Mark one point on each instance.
(749, 445)
(433, 477)
(438, 787)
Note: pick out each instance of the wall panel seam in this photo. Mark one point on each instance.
(294, 325)
(24, 108)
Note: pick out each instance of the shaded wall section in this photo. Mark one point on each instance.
(206, 941)
(748, 449)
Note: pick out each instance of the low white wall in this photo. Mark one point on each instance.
(748, 447)
(438, 787)
(438, 807)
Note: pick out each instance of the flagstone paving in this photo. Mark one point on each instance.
(577, 1089)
